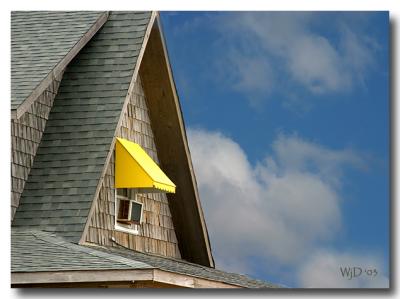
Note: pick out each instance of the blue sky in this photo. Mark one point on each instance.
(288, 123)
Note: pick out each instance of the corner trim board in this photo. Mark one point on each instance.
(186, 146)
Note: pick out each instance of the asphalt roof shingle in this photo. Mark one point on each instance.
(81, 127)
(35, 251)
(39, 41)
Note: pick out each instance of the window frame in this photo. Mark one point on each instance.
(119, 226)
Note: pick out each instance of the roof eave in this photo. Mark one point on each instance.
(40, 279)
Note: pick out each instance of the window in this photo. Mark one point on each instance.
(128, 211)
(123, 211)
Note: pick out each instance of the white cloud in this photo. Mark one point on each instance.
(295, 154)
(270, 208)
(325, 269)
(292, 56)
(249, 73)
(297, 49)
(278, 211)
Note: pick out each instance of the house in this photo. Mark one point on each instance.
(103, 189)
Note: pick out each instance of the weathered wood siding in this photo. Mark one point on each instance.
(26, 133)
(156, 233)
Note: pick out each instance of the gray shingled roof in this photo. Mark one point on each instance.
(78, 135)
(35, 251)
(187, 268)
(39, 41)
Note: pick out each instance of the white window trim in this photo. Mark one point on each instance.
(118, 227)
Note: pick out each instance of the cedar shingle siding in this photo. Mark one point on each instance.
(26, 134)
(156, 233)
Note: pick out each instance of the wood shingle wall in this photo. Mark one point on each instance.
(26, 133)
(156, 233)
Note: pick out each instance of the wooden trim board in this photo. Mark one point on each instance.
(114, 276)
(174, 155)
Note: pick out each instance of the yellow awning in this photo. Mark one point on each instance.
(134, 168)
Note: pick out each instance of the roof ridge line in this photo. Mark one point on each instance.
(60, 66)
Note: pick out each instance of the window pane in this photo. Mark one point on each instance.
(136, 211)
(123, 211)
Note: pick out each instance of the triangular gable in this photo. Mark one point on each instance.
(173, 152)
